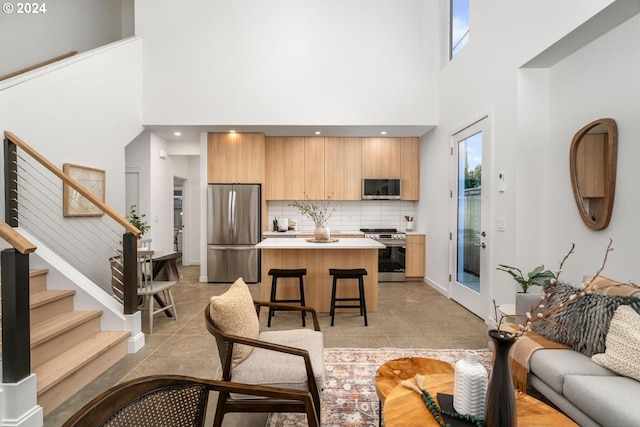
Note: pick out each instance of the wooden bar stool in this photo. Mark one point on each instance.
(278, 273)
(357, 273)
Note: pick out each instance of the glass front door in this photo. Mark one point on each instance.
(469, 196)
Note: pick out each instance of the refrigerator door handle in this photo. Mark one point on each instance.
(230, 210)
(234, 222)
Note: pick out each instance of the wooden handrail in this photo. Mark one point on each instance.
(72, 183)
(15, 239)
(39, 64)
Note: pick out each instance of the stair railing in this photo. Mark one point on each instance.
(16, 336)
(33, 201)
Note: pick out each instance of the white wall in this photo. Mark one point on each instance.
(484, 78)
(80, 25)
(83, 111)
(288, 62)
(593, 83)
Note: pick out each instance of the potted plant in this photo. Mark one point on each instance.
(537, 277)
(137, 220)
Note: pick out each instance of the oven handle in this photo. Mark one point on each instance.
(395, 244)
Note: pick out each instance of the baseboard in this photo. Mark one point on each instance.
(443, 290)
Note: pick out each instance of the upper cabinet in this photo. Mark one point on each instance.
(410, 168)
(314, 168)
(333, 168)
(235, 158)
(352, 169)
(275, 175)
(284, 168)
(381, 158)
(294, 168)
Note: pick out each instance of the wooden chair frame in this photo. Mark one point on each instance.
(225, 345)
(144, 395)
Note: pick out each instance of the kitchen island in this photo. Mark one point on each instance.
(318, 258)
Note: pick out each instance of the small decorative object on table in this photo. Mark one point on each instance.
(501, 397)
(470, 386)
(319, 211)
(433, 407)
(409, 222)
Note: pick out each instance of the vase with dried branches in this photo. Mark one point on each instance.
(319, 211)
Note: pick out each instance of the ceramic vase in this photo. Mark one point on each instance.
(470, 386)
(321, 233)
(500, 410)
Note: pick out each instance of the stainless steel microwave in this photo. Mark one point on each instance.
(380, 189)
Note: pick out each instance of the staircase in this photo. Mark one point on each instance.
(68, 349)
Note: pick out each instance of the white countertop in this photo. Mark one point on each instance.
(296, 243)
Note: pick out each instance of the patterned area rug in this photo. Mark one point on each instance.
(349, 397)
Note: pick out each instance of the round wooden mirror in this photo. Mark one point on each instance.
(592, 162)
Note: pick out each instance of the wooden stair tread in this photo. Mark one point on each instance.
(59, 325)
(42, 298)
(52, 372)
(37, 271)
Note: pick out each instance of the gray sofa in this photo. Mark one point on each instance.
(588, 393)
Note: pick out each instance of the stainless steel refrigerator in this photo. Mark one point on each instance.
(233, 230)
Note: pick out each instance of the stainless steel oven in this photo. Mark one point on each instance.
(391, 259)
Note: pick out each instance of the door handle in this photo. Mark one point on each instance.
(482, 245)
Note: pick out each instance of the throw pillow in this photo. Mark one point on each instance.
(234, 313)
(583, 323)
(623, 341)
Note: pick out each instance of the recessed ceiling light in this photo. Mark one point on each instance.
(383, 132)
(317, 132)
(177, 133)
(232, 131)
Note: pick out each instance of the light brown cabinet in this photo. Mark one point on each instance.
(314, 168)
(294, 168)
(410, 168)
(415, 257)
(334, 168)
(275, 169)
(352, 169)
(381, 158)
(284, 168)
(235, 158)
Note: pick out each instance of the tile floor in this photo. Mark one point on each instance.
(410, 315)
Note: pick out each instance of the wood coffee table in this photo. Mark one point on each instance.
(405, 408)
(389, 375)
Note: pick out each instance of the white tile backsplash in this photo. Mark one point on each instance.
(350, 215)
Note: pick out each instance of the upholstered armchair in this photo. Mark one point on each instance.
(290, 359)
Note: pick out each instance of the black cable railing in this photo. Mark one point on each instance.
(34, 202)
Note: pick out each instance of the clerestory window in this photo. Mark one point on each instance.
(458, 26)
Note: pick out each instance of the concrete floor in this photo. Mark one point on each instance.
(410, 315)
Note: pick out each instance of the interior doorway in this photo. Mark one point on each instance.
(470, 192)
(179, 216)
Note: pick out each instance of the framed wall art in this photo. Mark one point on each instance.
(74, 204)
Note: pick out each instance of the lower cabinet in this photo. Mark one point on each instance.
(414, 257)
